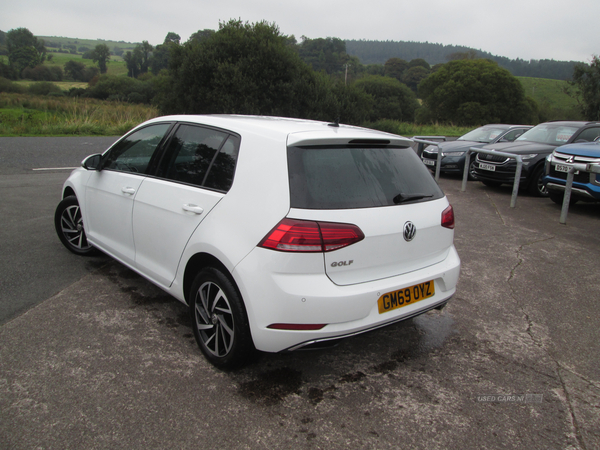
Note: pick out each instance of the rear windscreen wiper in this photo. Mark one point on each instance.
(402, 198)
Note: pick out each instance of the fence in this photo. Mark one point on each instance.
(518, 170)
(589, 168)
(426, 140)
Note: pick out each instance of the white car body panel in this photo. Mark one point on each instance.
(108, 223)
(164, 217)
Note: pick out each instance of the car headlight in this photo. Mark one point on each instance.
(453, 153)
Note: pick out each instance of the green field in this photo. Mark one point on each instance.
(116, 65)
(64, 85)
(90, 43)
(552, 98)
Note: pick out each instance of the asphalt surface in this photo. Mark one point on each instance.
(109, 361)
(32, 171)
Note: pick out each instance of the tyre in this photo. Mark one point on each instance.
(69, 227)
(219, 320)
(472, 166)
(536, 188)
(491, 183)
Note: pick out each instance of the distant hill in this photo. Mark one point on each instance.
(378, 52)
(75, 45)
(368, 52)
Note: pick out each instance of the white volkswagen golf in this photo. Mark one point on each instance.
(278, 233)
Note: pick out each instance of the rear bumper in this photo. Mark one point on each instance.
(275, 295)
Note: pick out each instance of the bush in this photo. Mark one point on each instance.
(7, 71)
(8, 86)
(77, 92)
(110, 87)
(43, 73)
(43, 88)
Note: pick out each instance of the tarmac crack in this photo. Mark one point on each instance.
(495, 208)
(530, 323)
(569, 404)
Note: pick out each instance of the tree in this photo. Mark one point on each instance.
(470, 54)
(74, 70)
(101, 55)
(200, 35)
(392, 99)
(586, 80)
(172, 38)
(328, 55)
(24, 49)
(132, 64)
(473, 92)
(413, 76)
(78, 71)
(419, 62)
(145, 53)
(161, 54)
(395, 67)
(241, 69)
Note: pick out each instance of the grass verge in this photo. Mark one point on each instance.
(29, 115)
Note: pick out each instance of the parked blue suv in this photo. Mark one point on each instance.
(586, 186)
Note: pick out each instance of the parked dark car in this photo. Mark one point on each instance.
(533, 146)
(586, 185)
(454, 152)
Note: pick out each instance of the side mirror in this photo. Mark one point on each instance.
(92, 162)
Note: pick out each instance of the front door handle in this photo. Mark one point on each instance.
(193, 208)
(128, 190)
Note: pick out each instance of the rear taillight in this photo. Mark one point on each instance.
(292, 235)
(448, 217)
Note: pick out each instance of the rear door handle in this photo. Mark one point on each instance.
(128, 190)
(193, 208)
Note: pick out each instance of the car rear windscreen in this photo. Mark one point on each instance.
(342, 177)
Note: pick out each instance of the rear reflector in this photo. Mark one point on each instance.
(297, 326)
(292, 235)
(448, 217)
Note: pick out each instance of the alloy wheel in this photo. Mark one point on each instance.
(71, 225)
(214, 319)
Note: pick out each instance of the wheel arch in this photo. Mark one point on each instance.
(198, 262)
(68, 190)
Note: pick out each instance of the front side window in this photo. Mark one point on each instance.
(133, 152)
(512, 135)
(357, 177)
(588, 135)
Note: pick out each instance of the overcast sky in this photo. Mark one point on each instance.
(526, 29)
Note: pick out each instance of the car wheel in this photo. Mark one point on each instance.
(558, 199)
(491, 183)
(472, 166)
(69, 227)
(536, 187)
(219, 320)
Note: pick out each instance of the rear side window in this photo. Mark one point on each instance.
(353, 177)
(202, 157)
